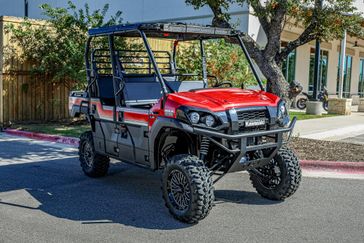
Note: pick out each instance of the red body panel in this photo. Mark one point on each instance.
(217, 99)
(75, 101)
(222, 99)
(103, 113)
(136, 117)
(214, 100)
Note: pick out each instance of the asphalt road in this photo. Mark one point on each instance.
(44, 197)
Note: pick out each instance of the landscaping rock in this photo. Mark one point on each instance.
(310, 149)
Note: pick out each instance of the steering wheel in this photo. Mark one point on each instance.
(229, 84)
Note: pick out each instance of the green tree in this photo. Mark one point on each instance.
(55, 48)
(324, 22)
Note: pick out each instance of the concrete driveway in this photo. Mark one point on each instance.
(44, 197)
(331, 128)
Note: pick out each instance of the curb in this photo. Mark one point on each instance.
(334, 166)
(43, 137)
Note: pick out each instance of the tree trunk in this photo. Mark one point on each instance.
(219, 19)
(277, 83)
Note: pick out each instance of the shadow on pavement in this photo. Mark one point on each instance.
(18, 149)
(241, 197)
(129, 195)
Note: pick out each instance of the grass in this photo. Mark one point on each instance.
(55, 129)
(304, 116)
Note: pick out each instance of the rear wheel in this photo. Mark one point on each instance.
(187, 188)
(280, 178)
(325, 105)
(92, 163)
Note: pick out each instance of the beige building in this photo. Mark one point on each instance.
(300, 64)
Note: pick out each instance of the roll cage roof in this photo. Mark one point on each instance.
(165, 30)
(176, 31)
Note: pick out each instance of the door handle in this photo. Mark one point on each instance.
(123, 131)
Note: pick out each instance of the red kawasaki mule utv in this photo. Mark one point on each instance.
(144, 110)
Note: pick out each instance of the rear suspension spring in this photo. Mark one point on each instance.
(204, 149)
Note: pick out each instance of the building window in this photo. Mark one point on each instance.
(348, 61)
(324, 63)
(289, 65)
(361, 79)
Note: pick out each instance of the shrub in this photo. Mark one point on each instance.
(55, 47)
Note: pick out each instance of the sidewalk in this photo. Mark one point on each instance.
(346, 128)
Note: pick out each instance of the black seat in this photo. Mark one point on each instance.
(140, 89)
(140, 78)
(142, 93)
(106, 90)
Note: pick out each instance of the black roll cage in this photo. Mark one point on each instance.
(110, 32)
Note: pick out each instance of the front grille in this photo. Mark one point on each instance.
(251, 115)
(246, 115)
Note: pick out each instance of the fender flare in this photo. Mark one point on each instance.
(160, 124)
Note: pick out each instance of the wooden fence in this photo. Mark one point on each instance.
(33, 98)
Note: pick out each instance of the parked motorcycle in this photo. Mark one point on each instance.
(323, 96)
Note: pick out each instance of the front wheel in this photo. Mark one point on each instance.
(187, 188)
(280, 178)
(92, 163)
(301, 103)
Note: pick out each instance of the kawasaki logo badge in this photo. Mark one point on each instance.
(255, 123)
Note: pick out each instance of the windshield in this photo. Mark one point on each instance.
(224, 62)
(212, 62)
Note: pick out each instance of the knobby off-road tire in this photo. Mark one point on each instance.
(187, 188)
(92, 163)
(283, 176)
(325, 105)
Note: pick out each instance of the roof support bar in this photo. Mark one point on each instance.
(114, 74)
(203, 59)
(155, 66)
(87, 60)
(250, 61)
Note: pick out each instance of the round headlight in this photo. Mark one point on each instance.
(209, 120)
(194, 117)
(282, 110)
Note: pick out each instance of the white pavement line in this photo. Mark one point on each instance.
(332, 175)
(326, 174)
(343, 132)
(10, 138)
(18, 161)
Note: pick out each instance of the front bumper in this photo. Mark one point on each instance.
(238, 155)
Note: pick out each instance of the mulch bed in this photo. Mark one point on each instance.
(309, 149)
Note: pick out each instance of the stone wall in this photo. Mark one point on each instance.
(356, 99)
(340, 106)
(361, 105)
